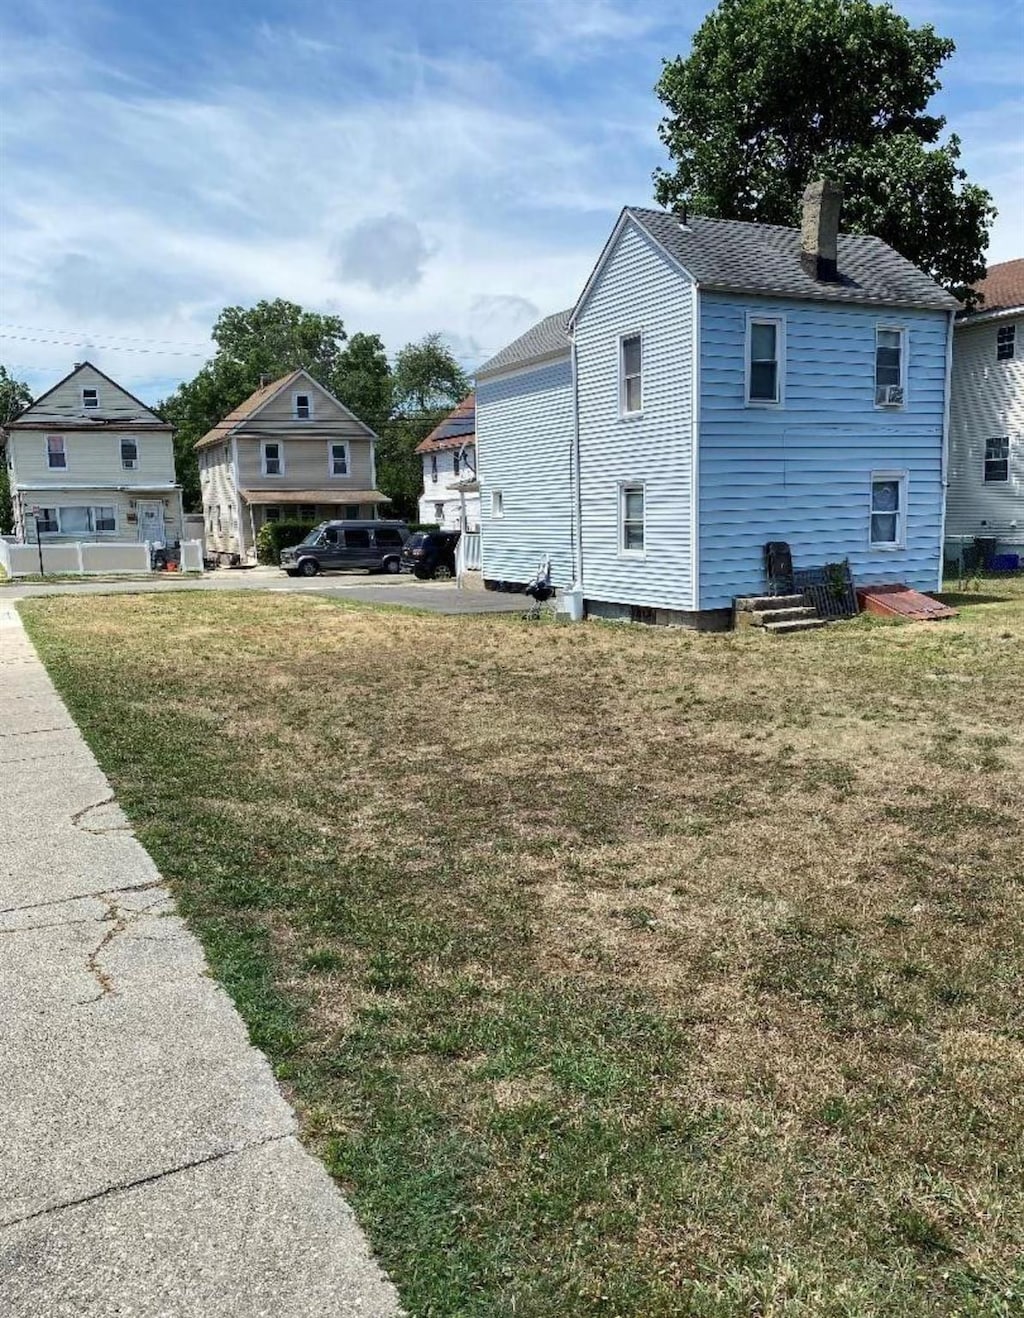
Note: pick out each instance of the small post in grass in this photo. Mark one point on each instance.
(39, 541)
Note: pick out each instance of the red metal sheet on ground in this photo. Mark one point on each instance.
(902, 602)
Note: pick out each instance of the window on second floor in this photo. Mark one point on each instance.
(631, 392)
(338, 458)
(890, 367)
(764, 360)
(56, 453)
(273, 457)
(997, 460)
(1006, 343)
(90, 399)
(129, 454)
(455, 463)
(303, 407)
(433, 467)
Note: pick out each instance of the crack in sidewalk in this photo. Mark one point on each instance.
(121, 920)
(82, 896)
(79, 816)
(146, 1180)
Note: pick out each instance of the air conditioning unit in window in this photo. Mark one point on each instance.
(891, 395)
(129, 464)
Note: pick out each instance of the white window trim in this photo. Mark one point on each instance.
(624, 415)
(128, 439)
(92, 508)
(433, 468)
(1011, 331)
(623, 552)
(901, 330)
(91, 389)
(779, 321)
(497, 504)
(302, 393)
(64, 450)
(901, 514)
(273, 475)
(990, 439)
(332, 444)
(117, 518)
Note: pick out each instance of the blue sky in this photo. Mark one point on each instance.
(411, 165)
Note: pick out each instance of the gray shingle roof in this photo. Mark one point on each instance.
(737, 256)
(548, 338)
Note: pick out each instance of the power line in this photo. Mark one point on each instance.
(87, 342)
(129, 338)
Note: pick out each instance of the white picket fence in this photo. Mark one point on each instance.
(467, 554)
(89, 558)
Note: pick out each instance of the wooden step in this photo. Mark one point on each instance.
(762, 603)
(797, 625)
(761, 617)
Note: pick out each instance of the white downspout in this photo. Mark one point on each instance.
(945, 447)
(695, 450)
(574, 596)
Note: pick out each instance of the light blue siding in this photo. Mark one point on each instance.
(802, 472)
(524, 431)
(639, 290)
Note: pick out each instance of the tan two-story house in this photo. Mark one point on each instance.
(291, 451)
(89, 462)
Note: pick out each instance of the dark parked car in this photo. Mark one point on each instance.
(430, 554)
(348, 544)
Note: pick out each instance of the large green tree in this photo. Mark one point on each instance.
(775, 93)
(271, 338)
(14, 397)
(427, 383)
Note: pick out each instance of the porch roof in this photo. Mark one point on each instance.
(335, 496)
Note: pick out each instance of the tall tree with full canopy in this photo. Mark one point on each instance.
(15, 396)
(428, 382)
(775, 93)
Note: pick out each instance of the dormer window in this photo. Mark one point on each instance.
(90, 399)
(303, 407)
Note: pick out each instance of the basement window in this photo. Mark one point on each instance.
(997, 460)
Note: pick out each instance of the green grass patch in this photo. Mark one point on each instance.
(613, 970)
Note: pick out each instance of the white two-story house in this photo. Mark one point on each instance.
(290, 452)
(985, 499)
(451, 495)
(89, 462)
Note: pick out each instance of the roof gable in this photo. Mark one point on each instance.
(1001, 290)
(626, 218)
(262, 398)
(455, 431)
(62, 403)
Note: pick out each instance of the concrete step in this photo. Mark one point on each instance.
(762, 617)
(762, 603)
(797, 625)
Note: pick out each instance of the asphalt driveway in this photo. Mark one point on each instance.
(433, 596)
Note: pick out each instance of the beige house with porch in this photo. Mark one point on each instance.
(90, 463)
(290, 451)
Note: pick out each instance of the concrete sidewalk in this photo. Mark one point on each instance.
(148, 1162)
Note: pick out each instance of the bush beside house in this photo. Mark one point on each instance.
(272, 537)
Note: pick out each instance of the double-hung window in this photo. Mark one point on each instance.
(46, 521)
(888, 509)
(631, 391)
(765, 343)
(1006, 343)
(56, 453)
(90, 399)
(455, 463)
(303, 407)
(338, 458)
(631, 519)
(273, 458)
(104, 518)
(890, 366)
(433, 468)
(497, 503)
(997, 460)
(129, 454)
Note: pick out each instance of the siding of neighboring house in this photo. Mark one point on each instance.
(94, 475)
(639, 290)
(305, 460)
(987, 403)
(523, 439)
(802, 472)
(220, 502)
(439, 491)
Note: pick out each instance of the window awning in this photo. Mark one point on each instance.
(335, 496)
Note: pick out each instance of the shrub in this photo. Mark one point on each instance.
(424, 526)
(272, 537)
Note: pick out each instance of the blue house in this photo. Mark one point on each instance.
(718, 386)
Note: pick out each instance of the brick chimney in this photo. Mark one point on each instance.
(819, 231)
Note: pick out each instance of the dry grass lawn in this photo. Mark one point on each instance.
(616, 971)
